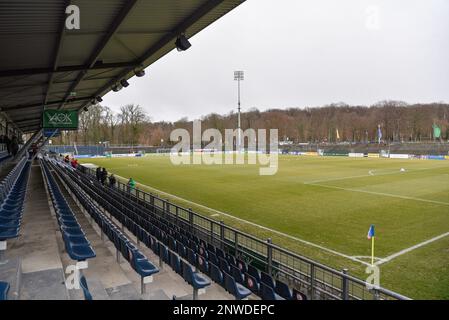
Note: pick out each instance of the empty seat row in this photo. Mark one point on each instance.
(12, 198)
(180, 266)
(76, 243)
(4, 155)
(123, 245)
(236, 276)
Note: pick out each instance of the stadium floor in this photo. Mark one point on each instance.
(321, 207)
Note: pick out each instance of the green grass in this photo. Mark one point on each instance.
(327, 201)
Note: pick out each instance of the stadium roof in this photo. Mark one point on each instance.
(42, 62)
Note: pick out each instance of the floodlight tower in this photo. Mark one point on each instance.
(239, 76)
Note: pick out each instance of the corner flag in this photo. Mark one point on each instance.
(370, 236)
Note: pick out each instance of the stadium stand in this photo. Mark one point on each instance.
(78, 150)
(175, 246)
(415, 148)
(12, 196)
(123, 245)
(4, 156)
(76, 243)
(155, 235)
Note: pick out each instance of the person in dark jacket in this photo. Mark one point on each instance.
(8, 144)
(112, 181)
(104, 176)
(14, 146)
(98, 174)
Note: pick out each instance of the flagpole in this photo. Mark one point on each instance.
(372, 251)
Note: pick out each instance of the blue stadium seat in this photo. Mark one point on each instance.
(196, 280)
(163, 253)
(203, 252)
(213, 258)
(224, 265)
(298, 295)
(215, 274)
(175, 263)
(234, 288)
(254, 273)
(267, 279)
(220, 253)
(202, 264)
(237, 274)
(283, 290)
(267, 293)
(8, 233)
(231, 260)
(142, 266)
(4, 288)
(251, 283)
(182, 250)
(191, 257)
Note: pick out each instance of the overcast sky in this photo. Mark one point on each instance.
(298, 53)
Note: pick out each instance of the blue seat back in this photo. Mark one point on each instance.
(283, 290)
(216, 274)
(254, 272)
(251, 283)
(267, 279)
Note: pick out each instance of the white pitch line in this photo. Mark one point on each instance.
(419, 245)
(381, 194)
(370, 174)
(257, 225)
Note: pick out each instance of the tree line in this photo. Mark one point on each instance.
(339, 122)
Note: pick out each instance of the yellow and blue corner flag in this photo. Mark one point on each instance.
(370, 232)
(370, 236)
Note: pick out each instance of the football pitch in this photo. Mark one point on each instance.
(322, 207)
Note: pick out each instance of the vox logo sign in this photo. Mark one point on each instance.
(60, 119)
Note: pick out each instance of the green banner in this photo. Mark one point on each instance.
(436, 132)
(60, 119)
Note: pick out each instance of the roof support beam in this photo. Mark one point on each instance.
(166, 39)
(59, 44)
(129, 4)
(39, 104)
(36, 71)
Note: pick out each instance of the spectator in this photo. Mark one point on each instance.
(74, 163)
(131, 184)
(8, 144)
(104, 176)
(98, 174)
(14, 146)
(112, 181)
(67, 159)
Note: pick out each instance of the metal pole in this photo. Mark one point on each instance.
(222, 237)
(345, 285)
(312, 282)
(239, 123)
(269, 256)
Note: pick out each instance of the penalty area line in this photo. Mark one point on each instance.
(380, 194)
(218, 212)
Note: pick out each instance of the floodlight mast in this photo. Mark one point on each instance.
(239, 76)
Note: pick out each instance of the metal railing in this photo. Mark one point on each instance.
(316, 280)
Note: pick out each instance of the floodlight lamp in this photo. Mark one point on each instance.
(182, 44)
(124, 83)
(139, 73)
